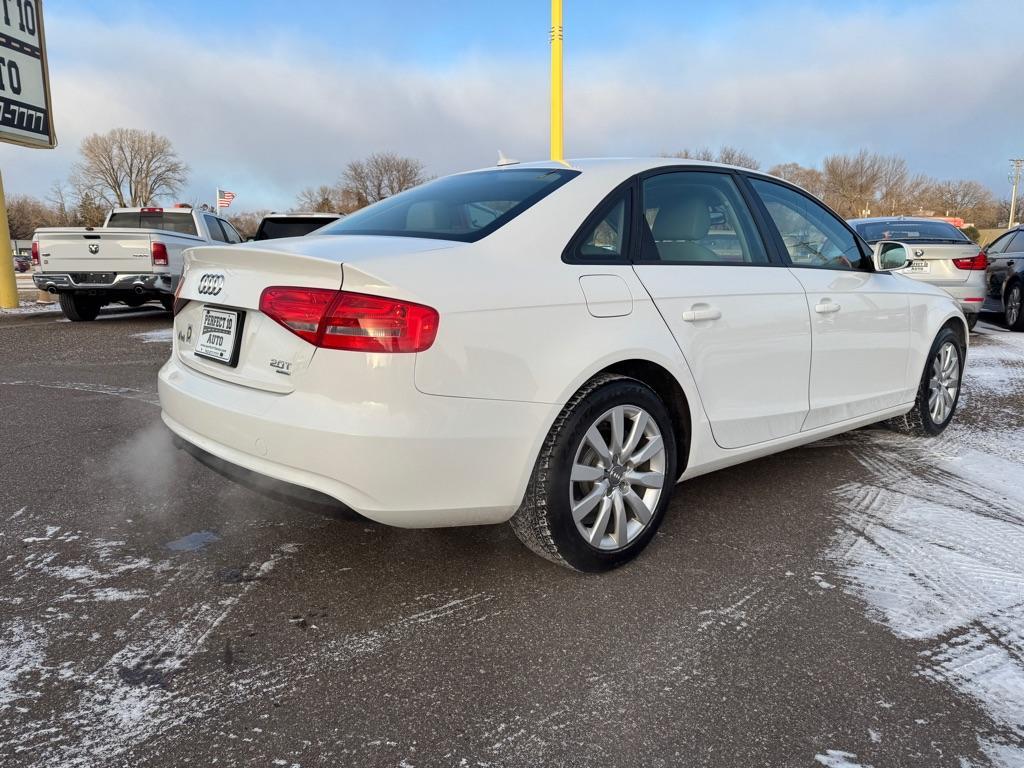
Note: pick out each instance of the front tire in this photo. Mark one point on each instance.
(603, 478)
(78, 308)
(939, 391)
(1013, 308)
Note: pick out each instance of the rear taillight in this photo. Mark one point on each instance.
(159, 253)
(351, 321)
(179, 303)
(975, 262)
(35, 253)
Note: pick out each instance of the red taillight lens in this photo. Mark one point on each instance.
(300, 310)
(35, 252)
(159, 253)
(975, 262)
(351, 321)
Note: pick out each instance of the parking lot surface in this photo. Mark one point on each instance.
(858, 602)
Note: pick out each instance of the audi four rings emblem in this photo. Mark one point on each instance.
(211, 285)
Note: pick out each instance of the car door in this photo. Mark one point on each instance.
(997, 271)
(860, 319)
(739, 319)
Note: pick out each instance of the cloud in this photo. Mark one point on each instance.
(932, 84)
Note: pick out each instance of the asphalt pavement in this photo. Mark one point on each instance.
(857, 602)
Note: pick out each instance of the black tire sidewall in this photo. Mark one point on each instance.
(571, 546)
(946, 334)
(1019, 325)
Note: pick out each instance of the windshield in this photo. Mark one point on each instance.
(294, 226)
(172, 221)
(465, 207)
(911, 231)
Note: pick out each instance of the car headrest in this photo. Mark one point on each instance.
(685, 218)
(428, 216)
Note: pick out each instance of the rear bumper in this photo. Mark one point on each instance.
(423, 461)
(110, 282)
(970, 295)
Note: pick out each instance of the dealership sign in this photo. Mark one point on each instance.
(26, 117)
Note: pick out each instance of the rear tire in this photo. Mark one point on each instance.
(1013, 307)
(939, 391)
(972, 320)
(590, 513)
(78, 308)
(167, 302)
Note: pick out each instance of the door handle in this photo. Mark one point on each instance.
(1009, 263)
(706, 313)
(826, 307)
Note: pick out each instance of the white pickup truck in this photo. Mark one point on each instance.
(135, 257)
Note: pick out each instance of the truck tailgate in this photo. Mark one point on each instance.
(101, 250)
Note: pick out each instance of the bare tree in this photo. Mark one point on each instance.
(964, 198)
(726, 154)
(810, 179)
(322, 199)
(899, 191)
(246, 222)
(25, 214)
(379, 176)
(733, 156)
(851, 182)
(128, 167)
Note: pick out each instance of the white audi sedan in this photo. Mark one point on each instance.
(554, 345)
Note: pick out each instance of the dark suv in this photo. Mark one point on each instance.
(1004, 278)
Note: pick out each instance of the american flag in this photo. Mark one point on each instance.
(224, 198)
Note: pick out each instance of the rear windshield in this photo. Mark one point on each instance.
(466, 207)
(297, 226)
(172, 221)
(911, 231)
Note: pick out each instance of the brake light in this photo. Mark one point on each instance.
(348, 321)
(152, 210)
(159, 253)
(35, 253)
(975, 262)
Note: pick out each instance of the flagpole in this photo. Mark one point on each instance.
(216, 200)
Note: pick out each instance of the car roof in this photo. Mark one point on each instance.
(911, 219)
(618, 167)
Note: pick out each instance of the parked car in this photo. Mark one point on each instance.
(135, 257)
(561, 362)
(22, 262)
(942, 256)
(276, 225)
(1004, 278)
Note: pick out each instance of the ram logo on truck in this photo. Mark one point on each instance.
(94, 248)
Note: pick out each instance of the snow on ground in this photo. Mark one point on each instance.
(161, 335)
(933, 541)
(29, 308)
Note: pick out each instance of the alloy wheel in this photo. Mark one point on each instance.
(617, 477)
(945, 383)
(1013, 302)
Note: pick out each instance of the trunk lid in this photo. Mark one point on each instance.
(224, 285)
(933, 262)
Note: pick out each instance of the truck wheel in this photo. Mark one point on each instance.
(167, 302)
(78, 308)
(603, 478)
(939, 390)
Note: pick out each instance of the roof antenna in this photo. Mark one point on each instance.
(502, 160)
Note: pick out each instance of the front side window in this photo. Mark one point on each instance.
(230, 232)
(216, 233)
(1016, 244)
(813, 236)
(700, 218)
(464, 207)
(1000, 244)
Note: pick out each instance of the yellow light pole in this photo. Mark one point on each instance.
(557, 148)
(8, 284)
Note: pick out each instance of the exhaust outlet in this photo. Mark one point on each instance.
(51, 289)
(139, 289)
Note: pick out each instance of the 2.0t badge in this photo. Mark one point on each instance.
(211, 284)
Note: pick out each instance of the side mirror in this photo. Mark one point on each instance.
(890, 256)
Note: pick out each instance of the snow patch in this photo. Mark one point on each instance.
(834, 758)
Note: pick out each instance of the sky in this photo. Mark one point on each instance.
(264, 98)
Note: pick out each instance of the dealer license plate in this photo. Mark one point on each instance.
(220, 335)
(920, 267)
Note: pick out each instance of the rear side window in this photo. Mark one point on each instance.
(293, 226)
(697, 217)
(910, 231)
(465, 207)
(606, 238)
(171, 221)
